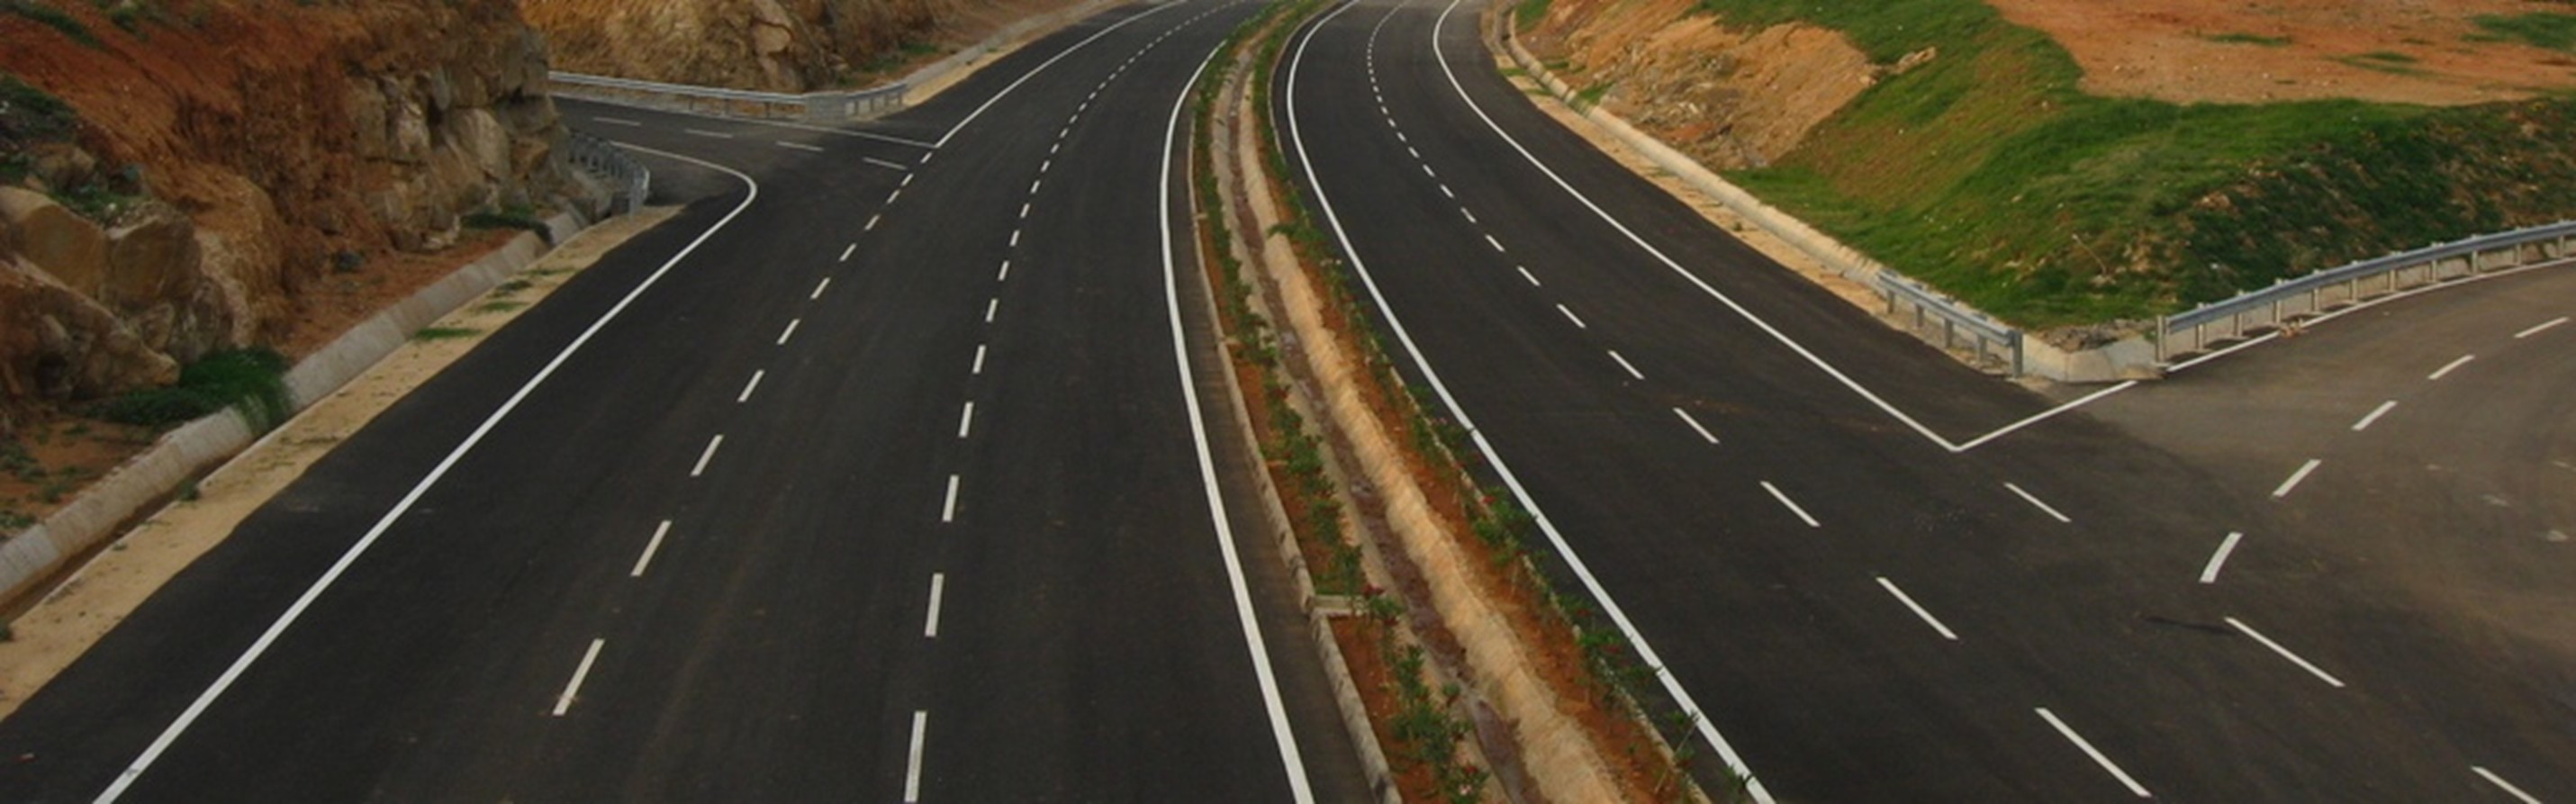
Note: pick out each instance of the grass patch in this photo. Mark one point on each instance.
(1527, 14)
(1591, 96)
(444, 333)
(52, 17)
(2242, 38)
(2382, 61)
(509, 217)
(2541, 29)
(500, 306)
(252, 380)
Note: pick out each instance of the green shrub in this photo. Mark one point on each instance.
(52, 17)
(252, 380)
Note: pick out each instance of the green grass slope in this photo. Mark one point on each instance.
(1987, 173)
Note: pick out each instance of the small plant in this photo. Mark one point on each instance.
(2542, 29)
(500, 306)
(1591, 95)
(51, 17)
(514, 216)
(13, 520)
(253, 380)
(444, 333)
(2242, 38)
(188, 492)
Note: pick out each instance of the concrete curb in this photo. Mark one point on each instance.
(101, 510)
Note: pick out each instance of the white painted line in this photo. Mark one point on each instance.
(2498, 781)
(294, 611)
(912, 764)
(979, 360)
(2543, 327)
(705, 133)
(854, 247)
(1776, 494)
(1525, 274)
(1033, 73)
(563, 703)
(992, 307)
(2374, 415)
(1623, 363)
(2209, 574)
(1417, 155)
(1908, 600)
(1695, 426)
(1033, 186)
(2044, 415)
(1045, 165)
(1427, 171)
(872, 226)
(650, 547)
(1578, 322)
(1497, 244)
(2026, 497)
(907, 175)
(890, 197)
(818, 288)
(790, 331)
(1444, 191)
(1015, 237)
(747, 388)
(2295, 477)
(1471, 217)
(616, 121)
(925, 158)
(2447, 367)
(800, 146)
(2285, 652)
(966, 420)
(708, 455)
(2096, 754)
(1057, 146)
(1024, 209)
(930, 621)
(1299, 789)
(948, 510)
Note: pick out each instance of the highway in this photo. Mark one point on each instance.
(1883, 577)
(873, 475)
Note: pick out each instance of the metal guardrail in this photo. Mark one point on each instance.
(811, 107)
(2291, 300)
(601, 158)
(1942, 320)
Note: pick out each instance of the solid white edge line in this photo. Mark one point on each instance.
(912, 762)
(1291, 761)
(2447, 367)
(2508, 787)
(1033, 72)
(1610, 608)
(930, 619)
(2209, 574)
(2285, 653)
(2374, 415)
(2087, 746)
(790, 331)
(2028, 498)
(979, 360)
(708, 455)
(748, 387)
(1792, 505)
(1740, 310)
(2295, 477)
(650, 547)
(1917, 608)
(143, 762)
(948, 510)
(1570, 316)
(1694, 425)
(1623, 363)
(580, 673)
(966, 419)
(2543, 327)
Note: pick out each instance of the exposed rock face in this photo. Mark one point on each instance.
(245, 148)
(1729, 98)
(775, 45)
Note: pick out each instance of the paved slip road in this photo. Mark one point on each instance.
(799, 497)
(1874, 585)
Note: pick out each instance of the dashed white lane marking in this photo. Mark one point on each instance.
(1015, 237)
(907, 176)
(890, 197)
(2543, 327)
(705, 133)
(2096, 754)
(907, 179)
(853, 248)
(1471, 216)
(1427, 171)
(650, 547)
(1045, 165)
(1578, 322)
(1399, 137)
(925, 158)
(2498, 781)
(748, 387)
(818, 288)
(1497, 244)
(2447, 367)
(872, 226)
(580, 673)
(1525, 274)
(1444, 190)
(2295, 477)
(801, 146)
(1417, 155)
(790, 331)
(1917, 608)
(2285, 652)
(1058, 146)
(1776, 494)
(2209, 574)
(1003, 275)
(1695, 426)
(1623, 363)
(930, 621)
(948, 510)
(616, 121)
(912, 763)
(2374, 415)
(979, 360)
(966, 420)
(708, 455)
(1024, 209)
(1034, 185)
(992, 307)
(2028, 498)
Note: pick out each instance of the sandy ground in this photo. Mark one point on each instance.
(75, 614)
(2401, 51)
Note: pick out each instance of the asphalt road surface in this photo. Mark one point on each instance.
(871, 476)
(1875, 574)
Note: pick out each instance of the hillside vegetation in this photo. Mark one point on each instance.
(1985, 169)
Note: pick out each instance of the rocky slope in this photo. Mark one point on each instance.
(776, 45)
(178, 171)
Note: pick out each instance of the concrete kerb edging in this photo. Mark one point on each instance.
(34, 555)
